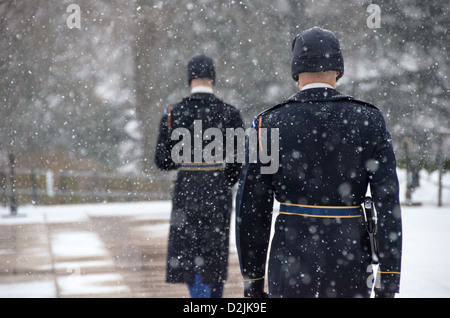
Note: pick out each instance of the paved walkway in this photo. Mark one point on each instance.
(96, 256)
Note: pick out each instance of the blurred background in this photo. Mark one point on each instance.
(81, 105)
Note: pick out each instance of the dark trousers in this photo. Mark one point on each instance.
(201, 290)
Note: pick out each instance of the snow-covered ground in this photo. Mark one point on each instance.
(426, 237)
(72, 249)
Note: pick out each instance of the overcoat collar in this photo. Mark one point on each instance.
(316, 95)
(201, 96)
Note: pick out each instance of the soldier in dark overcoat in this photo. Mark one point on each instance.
(332, 147)
(202, 196)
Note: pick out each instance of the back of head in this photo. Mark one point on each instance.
(201, 66)
(316, 50)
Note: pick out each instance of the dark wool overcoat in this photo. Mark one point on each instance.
(331, 148)
(202, 197)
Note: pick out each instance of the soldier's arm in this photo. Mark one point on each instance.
(385, 192)
(164, 145)
(233, 170)
(254, 203)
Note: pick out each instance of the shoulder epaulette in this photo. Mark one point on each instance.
(290, 99)
(351, 99)
(257, 121)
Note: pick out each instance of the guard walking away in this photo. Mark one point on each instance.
(331, 148)
(202, 197)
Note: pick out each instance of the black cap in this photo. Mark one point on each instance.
(316, 50)
(201, 66)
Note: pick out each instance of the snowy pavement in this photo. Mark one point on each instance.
(118, 250)
(98, 250)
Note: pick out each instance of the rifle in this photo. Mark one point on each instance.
(371, 227)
